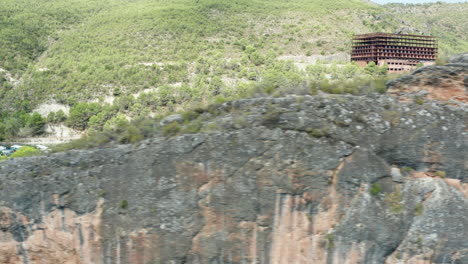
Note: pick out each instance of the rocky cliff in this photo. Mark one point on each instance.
(298, 179)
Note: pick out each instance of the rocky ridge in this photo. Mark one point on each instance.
(297, 179)
(448, 83)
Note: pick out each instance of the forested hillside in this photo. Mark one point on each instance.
(147, 57)
(446, 21)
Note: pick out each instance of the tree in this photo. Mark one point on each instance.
(81, 113)
(371, 68)
(37, 123)
(350, 71)
(316, 71)
(51, 117)
(11, 126)
(60, 116)
(383, 70)
(374, 70)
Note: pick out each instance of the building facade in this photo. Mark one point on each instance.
(401, 52)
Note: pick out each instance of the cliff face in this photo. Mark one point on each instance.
(299, 179)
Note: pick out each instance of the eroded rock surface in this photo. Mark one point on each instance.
(299, 179)
(448, 83)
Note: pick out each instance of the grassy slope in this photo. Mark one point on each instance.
(84, 49)
(28, 27)
(107, 48)
(449, 22)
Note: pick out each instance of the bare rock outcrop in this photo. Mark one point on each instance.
(448, 83)
(460, 58)
(297, 179)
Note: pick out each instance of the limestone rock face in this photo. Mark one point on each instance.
(448, 83)
(297, 179)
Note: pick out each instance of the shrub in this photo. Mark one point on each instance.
(419, 100)
(219, 100)
(124, 204)
(211, 127)
(256, 58)
(51, 117)
(37, 124)
(240, 122)
(60, 116)
(379, 86)
(270, 118)
(193, 127)
(81, 113)
(418, 210)
(441, 61)
(56, 117)
(130, 134)
(116, 91)
(171, 129)
(25, 152)
(330, 241)
(407, 169)
(440, 174)
(318, 133)
(395, 201)
(190, 115)
(375, 189)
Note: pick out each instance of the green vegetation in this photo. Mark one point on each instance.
(446, 21)
(407, 169)
(394, 200)
(21, 124)
(419, 100)
(112, 60)
(271, 118)
(418, 210)
(171, 129)
(124, 204)
(118, 129)
(330, 241)
(25, 152)
(318, 133)
(56, 117)
(440, 174)
(125, 47)
(375, 189)
(193, 127)
(81, 114)
(420, 240)
(22, 152)
(28, 28)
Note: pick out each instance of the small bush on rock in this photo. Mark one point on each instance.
(124, 204)
(375, 189)
(171, 129)
(25, 152)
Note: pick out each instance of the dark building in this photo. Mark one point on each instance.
(401, 52)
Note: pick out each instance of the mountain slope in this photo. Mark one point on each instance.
(126, 44)
(117, 46)
(147, 56)
(446, 21)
